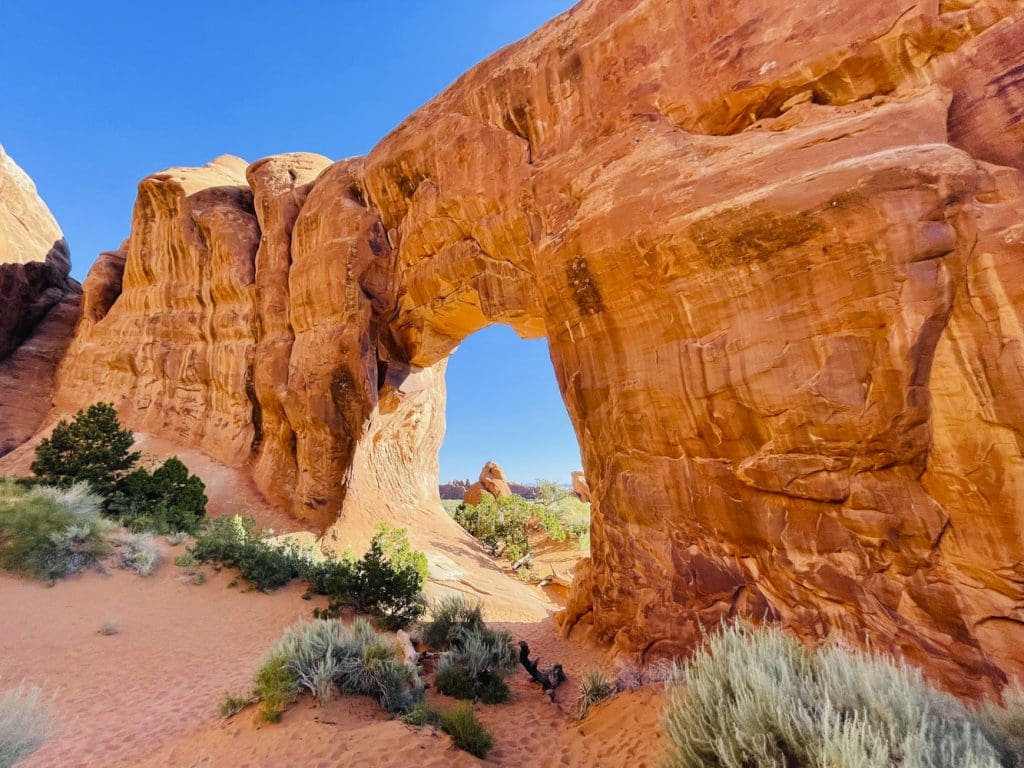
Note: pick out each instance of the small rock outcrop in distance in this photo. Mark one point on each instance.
(778, 259)
(492, 480)
(39, 304)
(453, 490)
(580, 487)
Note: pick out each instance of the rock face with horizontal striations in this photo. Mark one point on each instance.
(777, 256)
(38, 304)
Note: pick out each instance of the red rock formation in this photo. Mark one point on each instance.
(580, 487)
(172, 348)
(492, 480)
(777, 257)
(38, 305)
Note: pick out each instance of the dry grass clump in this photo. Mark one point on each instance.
(25, 724)
(756, 698)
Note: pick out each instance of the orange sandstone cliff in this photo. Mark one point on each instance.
(38, 305)
(778, 256)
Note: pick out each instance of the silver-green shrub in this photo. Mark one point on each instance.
(24, 724)
(136, 552)
(756, 698)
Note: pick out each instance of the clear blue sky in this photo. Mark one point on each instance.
(96, 95)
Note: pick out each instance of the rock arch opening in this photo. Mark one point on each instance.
(504, 405)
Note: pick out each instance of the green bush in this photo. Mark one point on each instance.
(276, 685)
(460, 723)
(370, 666)
(235, 543)
(455, 681)
(422, 714)
(167, 500)
(505, 525)
(25, 724)
(49, 532)
(92, 448)
(595, 687)
(1004, 725)
(466, 731)
(386, 583)
(449, 616)
(476, 665)
(757, 698)
(500, 524)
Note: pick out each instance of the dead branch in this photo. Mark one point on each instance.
(549, 678)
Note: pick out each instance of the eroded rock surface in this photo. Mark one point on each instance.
(38, 304)
(777, 256)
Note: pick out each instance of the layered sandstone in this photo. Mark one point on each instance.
(777, 258)
(38, 304)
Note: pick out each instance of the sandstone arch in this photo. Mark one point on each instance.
(780, 282)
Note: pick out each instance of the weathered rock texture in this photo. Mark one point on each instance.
(778, 257)
(38, 304)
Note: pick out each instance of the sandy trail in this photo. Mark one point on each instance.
(149, 695)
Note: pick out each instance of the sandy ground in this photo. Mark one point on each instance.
(149, 695)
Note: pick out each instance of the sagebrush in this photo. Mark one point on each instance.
(476, 664)
(50, 532)
(25, 724)
(755, 698)
(322, 656)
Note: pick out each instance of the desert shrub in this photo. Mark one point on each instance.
(386, 583)
(594, 687)
(476, 665)
(25, 724)
(235, 543)
(757, 698)
(320, 654)
(503, 525)
(422, 714)
(312, 649)
(370, 666)
(50, 533)
(564, 516)
(449, 616)
(232, 704)
(466, 731)
(91, 447)
(276, 685)
(1004, 725)
(136, 552)
(451, 506)
(110, 627)
(177, 538)
(453, 680)
(164, 501)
